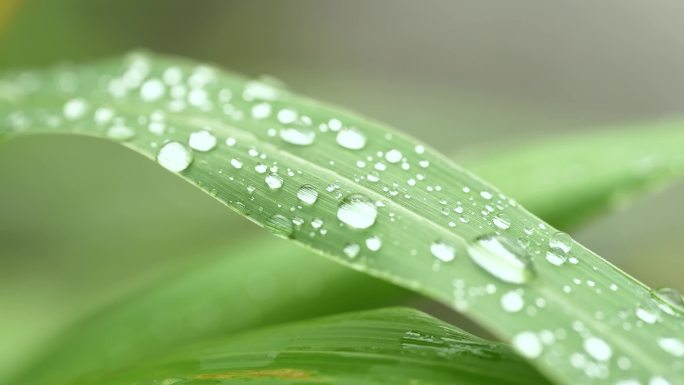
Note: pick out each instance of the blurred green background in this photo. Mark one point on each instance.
(83, 222)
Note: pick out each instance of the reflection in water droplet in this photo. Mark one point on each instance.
(351, 250)
(274, 181)
(357, 211)
(307, 194)
(280, 226)
(202, 140)
(502, 258)
(296, 136)
(351, 138)
(442, 251)
(174, 156)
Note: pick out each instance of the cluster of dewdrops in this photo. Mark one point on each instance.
(504, 257)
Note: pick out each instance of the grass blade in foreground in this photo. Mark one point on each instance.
(389, 346)
(324, 288)
(587, 173)
(369, 198)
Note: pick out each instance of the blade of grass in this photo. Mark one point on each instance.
(388, 346)
(588, 173)
(412, 209)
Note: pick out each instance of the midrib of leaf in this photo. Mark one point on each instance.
(416, 271)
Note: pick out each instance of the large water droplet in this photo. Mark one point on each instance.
(502, 258)
(528, 344)
(351, 138)
(202, 140)
(174, 156)
(560, 241)
(307, 194)
(274, 181)
(357, 211)
(393, 156)
(672, 346)
(442, 251)
(598, 348)
(297, 136)
(280, 226)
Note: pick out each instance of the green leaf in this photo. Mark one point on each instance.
(385, 205)
(388, 346)
(588, 173)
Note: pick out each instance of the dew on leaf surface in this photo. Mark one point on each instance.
(357, 211)
(174, 156)
(502, 258)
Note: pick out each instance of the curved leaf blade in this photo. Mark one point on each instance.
(388, 346)
(417, 200)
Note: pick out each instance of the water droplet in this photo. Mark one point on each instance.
(554, 258)
(374, 243)
(357, 211)
(502, 258)
(598, 348)
(672, 346)
(351, 138)
(120, 132)
(274, 181)
(442, 251)
(307, 194)
(297, 136)
(230, 142)
(202, 140)
(512, 301)
(351, 250)
(236, 163)
(393, 156)
(280, 226)
(152, 90)
(261, 111)
(174, 156)
(527, 344)
(502, 221)
(74, 109)
(560, 241)
(486, 195)
(287, 116)
(671, 296)
(647, 311)
(317, 223)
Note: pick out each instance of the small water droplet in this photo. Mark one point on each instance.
(512, 301)
(672, 346)
(502, 258)
(152, 90)
(307, 194)
(297, 136)
(280, 226)
(202, 141)
(393, 156)
(442, 251)
(374, 243)
(554, 258)
(528, 344)
(174, 156)
(486, 195)
(351, 138)
(351, 250)
(274, 181)
(261, 111)
(74, 109)
(502, 221)
(317, 223)
(236, 163)
(357, 211)
(120, 132)
(598, 348)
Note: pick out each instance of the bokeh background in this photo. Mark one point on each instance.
(84, 222)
